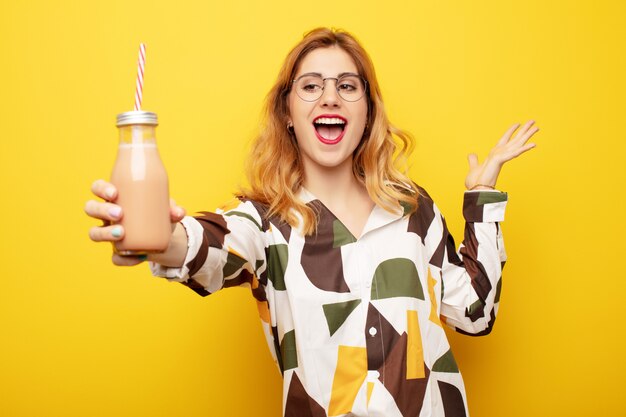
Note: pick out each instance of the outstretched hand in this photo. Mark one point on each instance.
(111, 213)
(507, 148)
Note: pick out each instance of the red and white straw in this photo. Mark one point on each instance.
(141, 64)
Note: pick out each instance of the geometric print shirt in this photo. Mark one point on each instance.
(356, 325)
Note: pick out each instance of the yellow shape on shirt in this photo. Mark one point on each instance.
(349, 376)
(264, 311)
(414, 350)
(434, 317)
(370, 388)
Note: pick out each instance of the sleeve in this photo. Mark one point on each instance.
(471, 279)
(225, 249)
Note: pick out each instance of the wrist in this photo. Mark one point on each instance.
(479, 187)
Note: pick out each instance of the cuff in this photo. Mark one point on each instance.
(484, 206)
(194, 240)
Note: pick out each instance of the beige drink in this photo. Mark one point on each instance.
(142, 184)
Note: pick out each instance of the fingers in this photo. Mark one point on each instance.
(523, 149)
(106, 233)
(103, 211)
(127, 260)
(473, 160)
(176, 213)
(507, 135)
(104, 190)
(109, 212)
(525, 132)
(522, 135)
(524, 138)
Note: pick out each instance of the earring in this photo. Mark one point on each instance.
(290, 127)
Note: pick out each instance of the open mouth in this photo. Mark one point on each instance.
(330, 129)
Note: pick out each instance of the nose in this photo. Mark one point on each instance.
(330, 96)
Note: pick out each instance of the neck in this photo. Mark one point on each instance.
(333, 185)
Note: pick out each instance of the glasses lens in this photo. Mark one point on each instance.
(351, 87)
(309, 87)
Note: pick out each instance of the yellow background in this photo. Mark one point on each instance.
(80, 337)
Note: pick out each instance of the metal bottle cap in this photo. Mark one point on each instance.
(137, 118)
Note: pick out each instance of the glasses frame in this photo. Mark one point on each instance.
(365, 86)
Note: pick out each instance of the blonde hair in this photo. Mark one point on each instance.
(274, 167)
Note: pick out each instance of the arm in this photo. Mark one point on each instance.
(222, 250)
(471, 277)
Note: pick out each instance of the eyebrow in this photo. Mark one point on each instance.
(319, 74)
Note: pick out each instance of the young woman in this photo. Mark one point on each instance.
(350, 262)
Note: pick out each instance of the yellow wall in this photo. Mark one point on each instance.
(80, 337)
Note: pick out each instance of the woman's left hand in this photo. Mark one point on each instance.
(505, 150)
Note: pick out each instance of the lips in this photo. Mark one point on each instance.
(330, 128)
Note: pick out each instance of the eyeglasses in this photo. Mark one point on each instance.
(310, 87)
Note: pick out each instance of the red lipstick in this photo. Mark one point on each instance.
(330, 121)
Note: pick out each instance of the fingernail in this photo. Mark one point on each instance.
(115, 211)
(142, 257)
(116, 232)
(110, 192)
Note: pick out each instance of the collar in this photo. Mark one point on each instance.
(378, 217)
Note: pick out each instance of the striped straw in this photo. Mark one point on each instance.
(141, 64)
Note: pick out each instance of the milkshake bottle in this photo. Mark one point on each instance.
(142, 185)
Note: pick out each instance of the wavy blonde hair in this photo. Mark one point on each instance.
(274, 167)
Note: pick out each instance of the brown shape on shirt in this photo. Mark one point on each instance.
(452, 399)
(321, 262)
(196, 286)
(214, 230)
(421, 219)
(276, 221)
(299, 403)
(382, 342)
(407, 393)
(476, 270)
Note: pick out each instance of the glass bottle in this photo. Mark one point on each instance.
(142, 184)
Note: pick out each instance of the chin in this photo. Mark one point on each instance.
(331, 161)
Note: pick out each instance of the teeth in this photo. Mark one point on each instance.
(330, 121)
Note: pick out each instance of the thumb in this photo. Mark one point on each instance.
(473, 160)
(176, 212)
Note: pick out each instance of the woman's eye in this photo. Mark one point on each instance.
(311, 87)
(347, 87)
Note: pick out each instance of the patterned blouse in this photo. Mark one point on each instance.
(355, 325)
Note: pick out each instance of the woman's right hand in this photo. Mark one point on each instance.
(109, 212)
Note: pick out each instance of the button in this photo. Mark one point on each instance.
(373, 331)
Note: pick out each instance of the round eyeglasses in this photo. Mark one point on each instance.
(310, 87)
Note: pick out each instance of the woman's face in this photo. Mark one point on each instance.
(329, 129)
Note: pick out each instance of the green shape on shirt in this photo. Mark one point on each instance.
(337, 313)
(476, 305)
(277, 264)
(406, 207)
(233, 264)
(244, 215)
(288, 350)
(396, 277)
(258, 265)
(341, 234)
(446, 363)
(490, 197)
(441, 287)
(498, 290)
